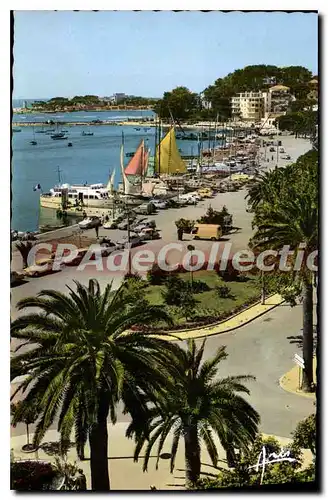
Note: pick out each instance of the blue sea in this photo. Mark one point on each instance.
(91, 159)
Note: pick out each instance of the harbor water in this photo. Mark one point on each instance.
(91, 159)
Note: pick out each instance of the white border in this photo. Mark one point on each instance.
(5, 157)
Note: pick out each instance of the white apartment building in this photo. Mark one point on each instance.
(248, 106)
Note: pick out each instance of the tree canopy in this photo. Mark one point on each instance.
(181, 103)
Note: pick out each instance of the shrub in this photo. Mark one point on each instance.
(223, 291)
(75, 479)
(229, 273)
(185, 224)
(24, 248)
(199, 286)
(305, 433)
(178, 292)
(156, 275)
(216, 217)
(175, 288)
(31, 475)
(277, 473)
(134, 288)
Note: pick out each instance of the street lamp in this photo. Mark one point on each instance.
(262, 288)
(191, 248)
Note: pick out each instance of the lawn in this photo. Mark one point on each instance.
(209, 305)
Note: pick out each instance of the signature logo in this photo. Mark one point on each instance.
(271, 458)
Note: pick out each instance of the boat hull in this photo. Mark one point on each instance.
(56, 202)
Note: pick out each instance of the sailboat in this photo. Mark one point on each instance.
(33, 143)
(168, 160)
(110, 185)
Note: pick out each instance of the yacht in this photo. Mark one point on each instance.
(92, 195)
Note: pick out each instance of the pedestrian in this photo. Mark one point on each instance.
(97, 230)
(107, 218)
(272, 158)
(84, 214)
(180, 233)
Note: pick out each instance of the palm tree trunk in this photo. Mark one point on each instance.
(307, 381)
(192, 455)
(99, 450)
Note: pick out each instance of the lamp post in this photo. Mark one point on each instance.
(262, 289)
(191, 248)
(129, 246)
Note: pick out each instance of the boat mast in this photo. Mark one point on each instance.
(59, 176)
(159, 147)
(154, 172)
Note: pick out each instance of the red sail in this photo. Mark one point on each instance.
(145, 162)
(136, 164)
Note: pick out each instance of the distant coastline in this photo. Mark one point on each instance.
(24, 111)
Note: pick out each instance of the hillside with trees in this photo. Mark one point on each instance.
(184, 104)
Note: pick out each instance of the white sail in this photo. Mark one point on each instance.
(110, 185)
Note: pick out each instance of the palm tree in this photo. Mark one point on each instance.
(24, 248)
(292, 222)
(286, 213)
(83, 359)
(194, 407)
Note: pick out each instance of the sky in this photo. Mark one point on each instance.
(146, 53)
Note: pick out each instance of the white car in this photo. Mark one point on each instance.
(89, 222)
(144, 225)
(148, 233)
(159, 204)
(107, 247)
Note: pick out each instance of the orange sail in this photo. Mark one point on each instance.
(136, 164)
(145, 162)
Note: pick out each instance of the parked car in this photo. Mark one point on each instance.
(124, 224)
(107, 247)
(181, 202)
(34, 271)
(89, 222)
(111, 224)
(77, 260)
(149, 234)
(285, 157)
(145, 208)
(145, 224)
(159, 204)
(135, 240)
(272, 150)
(137, 222)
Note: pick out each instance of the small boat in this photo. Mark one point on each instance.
(86, 133)
(70, 144)
(15, 129)
(137, 129)
(34, 143)
(59, 135)
(64, 131)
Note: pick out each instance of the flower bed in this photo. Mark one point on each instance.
(205, 321)
(34, 475)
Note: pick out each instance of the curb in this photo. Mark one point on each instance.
(308, 395)
(186, 336)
